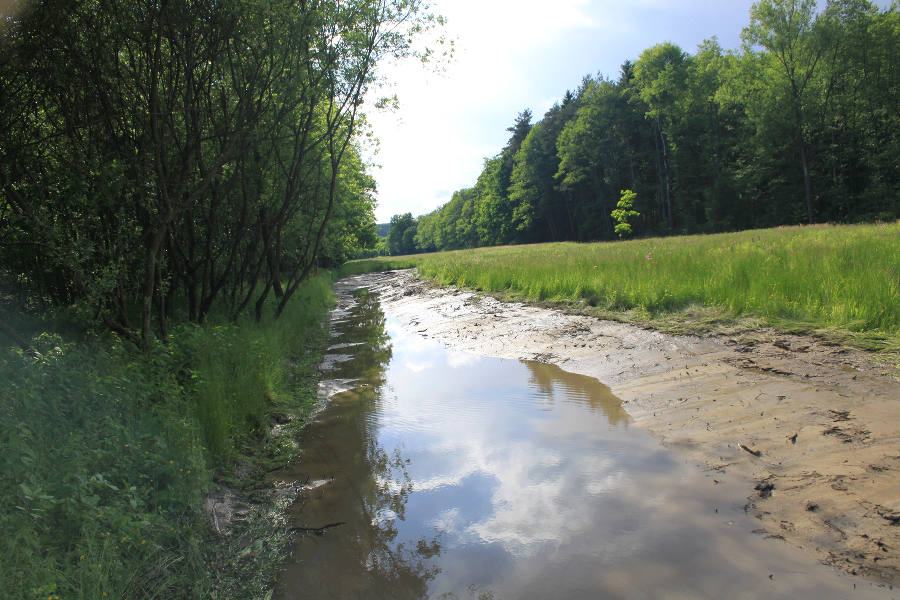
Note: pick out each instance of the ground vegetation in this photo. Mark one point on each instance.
(108, 455)
(839, 282)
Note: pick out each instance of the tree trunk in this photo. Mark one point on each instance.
(149, 285)
(569, 214)
(6, 329)
(666, 170)
(718, 140)
(659, 180)
(806, 181)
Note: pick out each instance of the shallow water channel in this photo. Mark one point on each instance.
(440, 474)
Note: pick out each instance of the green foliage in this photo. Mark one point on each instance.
(238, 369)
(800, 124)
(493, 210)
(661, 76)
(102, 472)
(526, 189)
(623, 212)
(106, 452)
(371, 265)
(351, 228)
(187, 153)
(401, 235)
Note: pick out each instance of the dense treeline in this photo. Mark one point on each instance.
(157, 154)
(177, 171)
(800, 125)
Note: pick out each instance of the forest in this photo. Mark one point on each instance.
(160, 156)
(801, 124)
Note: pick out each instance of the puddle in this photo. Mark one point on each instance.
(441, 474)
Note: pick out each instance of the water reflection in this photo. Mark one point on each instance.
(458, 476)
(354, 482)
(552, 385)
(361, 341)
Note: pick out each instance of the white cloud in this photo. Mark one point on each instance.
(462, 359)
(416, 367)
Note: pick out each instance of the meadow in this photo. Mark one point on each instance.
(839, 282)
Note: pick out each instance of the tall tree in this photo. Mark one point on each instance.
(152, 149)
(661, 77)
(794, 40)
(401, 235)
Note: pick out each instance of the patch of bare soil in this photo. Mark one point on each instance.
(816, 428)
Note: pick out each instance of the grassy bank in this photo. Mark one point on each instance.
(106, 454)
(840, 281)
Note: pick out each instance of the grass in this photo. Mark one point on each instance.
(106, 455)
(382, 263)
(241, 369)
(841, 282)
(101, 466)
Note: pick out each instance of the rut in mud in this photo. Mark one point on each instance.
(445, 474)
(817, 427)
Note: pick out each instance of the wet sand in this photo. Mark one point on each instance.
(814, 428)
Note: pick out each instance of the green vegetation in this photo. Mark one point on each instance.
(187, 155)
(839, 281)
(242, 368)
(799, 125)
(106, 454)
(101, 476)
(623, 213)
(172, 178)
(383, 263)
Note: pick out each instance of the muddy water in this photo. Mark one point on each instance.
(440, 474)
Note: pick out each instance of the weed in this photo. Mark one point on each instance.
(106, 453)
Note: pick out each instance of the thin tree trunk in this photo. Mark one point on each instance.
(631, 166)
(659, 180)
(149, 285)
(806, 180)
(150, 265)
(569, 214)
(718, 140)
(164, 300)
(666, 170)
(6, 329)
(834, 176)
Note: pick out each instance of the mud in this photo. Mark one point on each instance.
(814, 428)
(224, 509)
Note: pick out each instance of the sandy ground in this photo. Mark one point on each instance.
(814, 428)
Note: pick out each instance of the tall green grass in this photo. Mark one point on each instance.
(845, 277)
(240, 366)
(106, 453)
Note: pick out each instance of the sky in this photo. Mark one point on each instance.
(512, 55)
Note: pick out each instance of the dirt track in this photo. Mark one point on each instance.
(815, 428)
